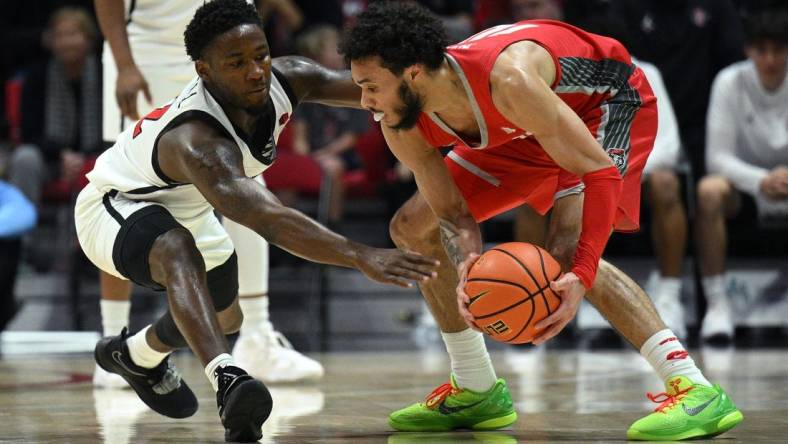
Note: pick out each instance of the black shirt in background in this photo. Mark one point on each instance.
(690, 41)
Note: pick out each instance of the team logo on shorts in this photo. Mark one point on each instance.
(619, 157)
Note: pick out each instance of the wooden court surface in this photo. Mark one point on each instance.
(561, 396)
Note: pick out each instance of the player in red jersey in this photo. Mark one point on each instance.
(537, 112)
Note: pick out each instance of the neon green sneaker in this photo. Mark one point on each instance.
(687, 410)
(449, 407)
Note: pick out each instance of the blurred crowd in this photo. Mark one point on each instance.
(719, 66)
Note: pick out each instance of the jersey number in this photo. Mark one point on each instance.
(153, 115)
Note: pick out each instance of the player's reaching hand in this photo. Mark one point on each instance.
(130, 82)
(397, 267)
(571, 291)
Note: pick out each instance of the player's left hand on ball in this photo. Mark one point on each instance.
(571, 291)
(462, 297)
(397, 267)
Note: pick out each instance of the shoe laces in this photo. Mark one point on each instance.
(170, 380)
(437, 396)
(667, 400)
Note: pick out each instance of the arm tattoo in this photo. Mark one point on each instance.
(450, 237)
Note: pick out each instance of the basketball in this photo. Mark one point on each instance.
(509, 290)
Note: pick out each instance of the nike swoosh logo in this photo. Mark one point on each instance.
(446, 410)
(474, 298)
(116, 357)
(698, 408)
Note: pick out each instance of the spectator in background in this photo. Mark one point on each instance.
(746, 153)
(457, 16)
(536, 9)
(328, 134)
(17, 215)
(281, 18)
(689, 41)
(61, 110)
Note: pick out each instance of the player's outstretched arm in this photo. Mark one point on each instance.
(313, 82)
(197, 153)
(130, 82)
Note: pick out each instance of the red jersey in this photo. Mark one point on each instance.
(589, 69)
(507, 167)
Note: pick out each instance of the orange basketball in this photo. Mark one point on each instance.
(509, 287)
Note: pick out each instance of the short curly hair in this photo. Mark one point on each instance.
(401, 34)
(215, 18)
(767, 25)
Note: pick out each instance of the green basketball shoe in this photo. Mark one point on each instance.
(449, 407)
(687, 410)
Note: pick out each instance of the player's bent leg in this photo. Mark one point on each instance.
(414, 227)
(474, 397)
(630, 311)
(194, 297)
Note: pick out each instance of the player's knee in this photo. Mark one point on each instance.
(404, 229)
(174, 251)
(712, 191)
(664, 186)
(231, 323)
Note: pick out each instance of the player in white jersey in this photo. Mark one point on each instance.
(148, 212)
(144, 64)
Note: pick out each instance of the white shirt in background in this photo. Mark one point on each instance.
(747, 131)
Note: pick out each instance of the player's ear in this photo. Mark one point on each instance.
(202, 70)
(413, 71)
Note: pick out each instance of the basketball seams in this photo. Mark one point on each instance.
(527, 323)
(547, 280)
(520, 301)
(506, 273)
(516, 259)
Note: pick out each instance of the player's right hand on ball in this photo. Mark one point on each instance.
(397, 267)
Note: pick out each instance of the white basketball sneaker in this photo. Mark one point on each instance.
(105, 379)
(717, 325)
(672, 312)
(270, 357)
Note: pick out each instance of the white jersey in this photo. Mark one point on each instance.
(130, 167)
(155, 29)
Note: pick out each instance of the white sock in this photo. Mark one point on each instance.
(255, 310)
(669, 286)
(223, 360)
(470, 362)
(141, 353)
(114, 316)
(714, 289)
(669, 358)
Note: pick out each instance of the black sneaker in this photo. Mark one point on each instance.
(161, 387)
(244, 404)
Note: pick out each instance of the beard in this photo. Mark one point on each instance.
(410, 109)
